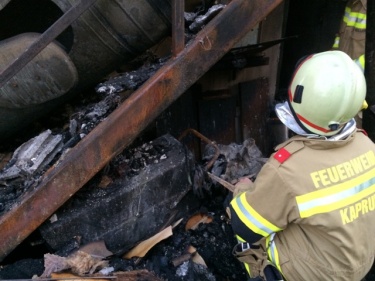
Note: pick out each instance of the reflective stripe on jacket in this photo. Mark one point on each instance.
(352, 34)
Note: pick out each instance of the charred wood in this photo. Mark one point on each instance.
(150, 186)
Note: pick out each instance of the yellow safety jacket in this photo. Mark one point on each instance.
(352, 35)
(313, 205)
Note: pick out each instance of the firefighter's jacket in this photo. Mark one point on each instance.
(352, 34)
(314, 204)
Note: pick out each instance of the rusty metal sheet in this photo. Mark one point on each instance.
(111, 136)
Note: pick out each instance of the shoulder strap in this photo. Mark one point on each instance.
(287, 149)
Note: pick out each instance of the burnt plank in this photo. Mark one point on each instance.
(134, 206)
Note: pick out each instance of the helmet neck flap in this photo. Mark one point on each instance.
(284, 113)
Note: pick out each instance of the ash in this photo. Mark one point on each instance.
(214, 243)
(35, 156)
(132, 161)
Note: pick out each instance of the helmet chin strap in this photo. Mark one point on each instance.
(349, 128)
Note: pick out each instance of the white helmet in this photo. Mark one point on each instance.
(327, 90)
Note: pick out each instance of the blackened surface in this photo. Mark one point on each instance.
(148, 185)
(214, 242)
(22, 269)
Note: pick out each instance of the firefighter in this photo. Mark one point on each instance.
(351, 37)
(310, 213)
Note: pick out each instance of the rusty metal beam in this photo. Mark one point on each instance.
(111, 136)
(178, 26)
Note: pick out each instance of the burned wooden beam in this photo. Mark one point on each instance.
(111, 136)
(152, 191)
(178, 30)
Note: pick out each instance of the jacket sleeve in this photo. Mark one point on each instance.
(266, 209)
(245, 233)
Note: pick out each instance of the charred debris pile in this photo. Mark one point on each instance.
(24, 159)
(153, 213)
